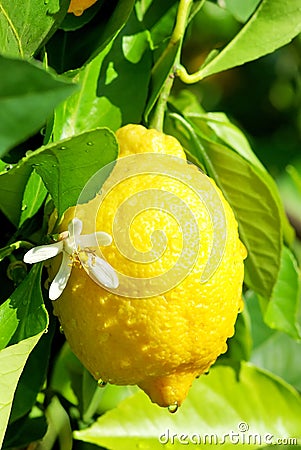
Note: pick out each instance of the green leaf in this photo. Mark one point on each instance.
(26, 327)
(20, 435)
(24, 26)
(109, 83)
(28, 302)
(137, 423)
(249, 194)
(34, 195)
(67, 166)
(16, 313)
(12, 186)
(274, 24)
(63, 174)
(33, 377)
(8, 323)
(84, 110)
(273, 350)
(73, 49)
(159, 19)
(281, 355)
(12, 362)
(282, 309)
(61, 379)
(240, 345)
(241, 10)
(28, 95)
(232, 136)
(58, 425)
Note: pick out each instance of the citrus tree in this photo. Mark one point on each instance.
(74, 77)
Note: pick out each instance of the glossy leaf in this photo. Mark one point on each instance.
(63, 175)
(33, 377)
(274, 24)
(249, 195)
(136, 422)
(232, 136)
(12, 186)
(67, 166)
(28, 95)
(34, 195)
(8, 323)
(24, 26)
(109, 84)
(12, 362)
(281, 311)
(28, 302)
(23, 315)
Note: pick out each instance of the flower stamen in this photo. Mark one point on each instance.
(78, 250)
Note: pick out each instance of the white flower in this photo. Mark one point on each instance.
(76, 248)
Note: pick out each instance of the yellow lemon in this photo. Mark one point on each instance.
(77, 7)
(166, 323)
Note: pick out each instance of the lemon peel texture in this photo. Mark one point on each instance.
(162, 342)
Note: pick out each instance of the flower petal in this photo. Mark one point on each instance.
(100, 238)
(75, 227)
(43, 252)
(60, 281)
(101, 272)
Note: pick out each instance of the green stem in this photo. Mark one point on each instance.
(177, 35)
(188, 78)
(157, 120)
(182, 18)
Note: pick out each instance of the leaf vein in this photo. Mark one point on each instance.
(14, 31)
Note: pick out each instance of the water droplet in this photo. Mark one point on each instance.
(28, 153)
(46, 331)
(206, 373)
(101, 383)
(53, 165)
(46, 2)
(61, 329)
(63, 147)
(35, 165)
(173, 408)
(197, 377)
(8, 167)
(90, 143)
(24, 207)
(43, 130)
